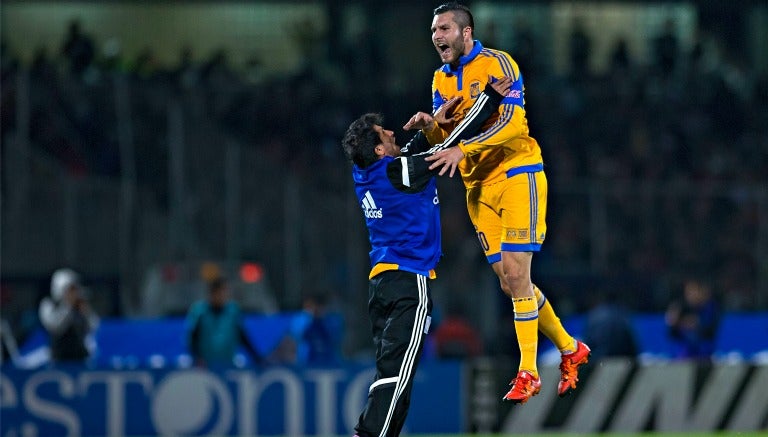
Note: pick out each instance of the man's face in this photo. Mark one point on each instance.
(73, 294)
(219, 297)
(388, 147)
(448, 38)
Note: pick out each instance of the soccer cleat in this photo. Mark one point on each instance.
(523, 387)
(569, 368)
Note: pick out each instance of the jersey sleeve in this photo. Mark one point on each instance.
(436, 135)
(417, 144)
(410, 174)
(486, 104)
(506, 127)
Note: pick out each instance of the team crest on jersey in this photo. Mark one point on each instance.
(474, 89)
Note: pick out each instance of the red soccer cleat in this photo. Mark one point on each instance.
(524, 386)
(569, 368)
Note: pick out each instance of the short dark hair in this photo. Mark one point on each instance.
(461, 14)
(360, 140)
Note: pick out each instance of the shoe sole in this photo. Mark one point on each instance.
(571, 388)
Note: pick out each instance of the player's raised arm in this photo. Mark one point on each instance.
(419, 143)
(410, 173)
(447, 155)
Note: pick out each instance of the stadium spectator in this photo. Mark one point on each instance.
(666, 48)
(608, 328)
(580, 46)
(693, 321)
(215, 329)
(455, 336)
(68, 318)
(317, 332)
(78, 49)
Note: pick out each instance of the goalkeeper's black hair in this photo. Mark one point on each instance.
(461, 14)
(360, 140)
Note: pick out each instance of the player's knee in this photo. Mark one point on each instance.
(514, 276)
(506, 288)
(515, 282)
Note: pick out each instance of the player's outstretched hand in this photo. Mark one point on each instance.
(420, 120)
(502, 85)
(444, 113)
(448, 158)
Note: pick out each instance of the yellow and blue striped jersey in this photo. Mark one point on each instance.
(503, 147)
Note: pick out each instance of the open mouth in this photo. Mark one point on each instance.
(444, 50)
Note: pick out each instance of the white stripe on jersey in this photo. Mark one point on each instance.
(481, 100)
(468, 118)
(405, 175)
(369, 198)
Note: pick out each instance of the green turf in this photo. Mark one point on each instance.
(647, 434)
(563, 434)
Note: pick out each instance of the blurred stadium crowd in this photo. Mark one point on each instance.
(657, 169)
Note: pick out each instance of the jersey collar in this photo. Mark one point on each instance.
(464, 60)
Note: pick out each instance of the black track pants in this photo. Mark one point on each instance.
(400, 308)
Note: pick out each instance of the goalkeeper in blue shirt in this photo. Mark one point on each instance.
(397, 193)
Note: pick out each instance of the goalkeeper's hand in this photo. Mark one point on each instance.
(445, 114)
(420, 120)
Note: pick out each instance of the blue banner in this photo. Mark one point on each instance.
(268, 401)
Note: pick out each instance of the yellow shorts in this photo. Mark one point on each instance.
(510, 215)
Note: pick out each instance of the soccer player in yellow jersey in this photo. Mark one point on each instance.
(503, 172)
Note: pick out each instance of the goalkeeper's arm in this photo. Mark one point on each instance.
(411, 173)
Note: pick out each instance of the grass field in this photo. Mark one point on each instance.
(647, 434)
(763, 433)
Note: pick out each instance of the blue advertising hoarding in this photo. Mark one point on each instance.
(268, 401)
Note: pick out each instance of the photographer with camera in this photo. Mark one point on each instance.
(68, 318)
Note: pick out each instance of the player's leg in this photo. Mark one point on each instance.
(551, 326)
(513, 270)
(549, 323)
(401, 306)
(514, 275)
(522, 234)
(574, 353)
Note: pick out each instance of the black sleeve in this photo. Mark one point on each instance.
(410, 174)
(417, 144)
(486, 104)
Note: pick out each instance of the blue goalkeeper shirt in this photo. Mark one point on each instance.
(402, 215)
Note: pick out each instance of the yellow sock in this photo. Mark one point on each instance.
(527, 329)
(550, 325)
